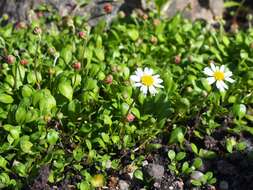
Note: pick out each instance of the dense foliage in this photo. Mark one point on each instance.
(67, 102)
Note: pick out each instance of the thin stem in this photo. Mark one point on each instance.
(35, 62)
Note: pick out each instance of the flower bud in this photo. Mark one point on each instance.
(109, 79)
(37, 30)
(177, 59)
(39, 14)
(51, 51)
(130, 117)
(108, 8)
(10, 59)
(20, 25)
(153, 40)
(77, 66)
(121, 14)
(145, 16)
(251, 45)
(156, 22)
(82, 34)
(24, 62)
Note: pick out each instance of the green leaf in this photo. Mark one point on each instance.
(230, 143)
(229, 4)
(20, 168)
(27, 91)
(20, 115)
(185, 167)
(25, 144)
(177, 135)
(197, 163)
(105, 138)
(3, 162)
(138, 174)
(84, 185)
(66, 54)
(180, 156)
(78, 153)
(6, 99)
(194, 148)
(100, 54)
(52, 136)
(133, 34)
(171, 154)
(66, 90)
(239, 110)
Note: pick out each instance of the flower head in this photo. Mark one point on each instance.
(219, 75)
(147, 81)
(108, 8)
(77, 65)
(130, 117)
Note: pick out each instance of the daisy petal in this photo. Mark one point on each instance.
(228, 74)
(148, 71)
(222, 68)
(139, 72)
(213, 67)
(135, 78)
(208, 71)
(229, 79)
(220, 86)
(137, 84)
(144, 89)
(211, 80)
(152, 90)
(158, 85)
(225, 85)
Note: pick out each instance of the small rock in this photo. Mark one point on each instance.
(223, 185)
(154, 171)
(196, 175)
(157, 185)
(144, 163)
(123, 185)
(179, 185)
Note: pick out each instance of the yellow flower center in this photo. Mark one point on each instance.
(218, 75)
(147, 80)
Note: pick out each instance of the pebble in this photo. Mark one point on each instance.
(196, 175)
(154, 171)
(123, 185)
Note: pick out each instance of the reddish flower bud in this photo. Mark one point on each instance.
(153, 40)
(144, 16)
(24, 62)
(37, 30)
(82, 34)
(39, 14)
(177, 59)
(51, 51)
(130, 117)
(156, 22)
(108, 8)
(121, 14)
(251, 45)
(109, 79)
(10, 59)
(20, 25)
(77, 66)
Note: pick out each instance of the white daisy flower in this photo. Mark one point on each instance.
(219, 75)
(146, 81)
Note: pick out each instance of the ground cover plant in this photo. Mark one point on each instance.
(142, 103)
